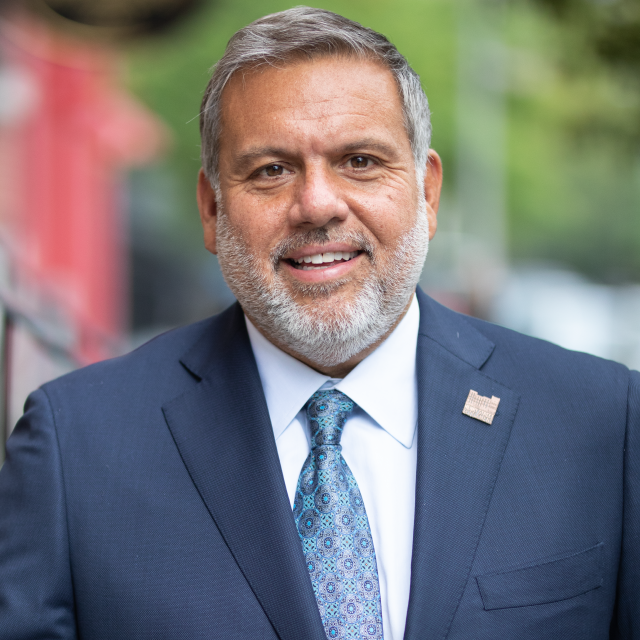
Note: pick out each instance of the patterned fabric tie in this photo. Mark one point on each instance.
(334, 528)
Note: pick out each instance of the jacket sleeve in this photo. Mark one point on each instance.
(628, 614)
(36, 593)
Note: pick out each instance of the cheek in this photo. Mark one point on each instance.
(259, 223)
(388, 216)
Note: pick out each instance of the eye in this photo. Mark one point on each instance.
(360, 162)
(274, 170)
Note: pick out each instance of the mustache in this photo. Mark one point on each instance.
(321, 236)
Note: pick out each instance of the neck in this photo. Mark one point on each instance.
(342, 369)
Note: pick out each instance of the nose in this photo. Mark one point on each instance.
(318, 199)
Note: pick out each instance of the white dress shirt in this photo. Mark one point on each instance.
(379, 443)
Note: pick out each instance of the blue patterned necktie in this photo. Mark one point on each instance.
(334, 528)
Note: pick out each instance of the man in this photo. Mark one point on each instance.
(338, 455)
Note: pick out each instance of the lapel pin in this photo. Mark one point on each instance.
(481, 407)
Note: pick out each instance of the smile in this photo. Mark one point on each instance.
(323, 260)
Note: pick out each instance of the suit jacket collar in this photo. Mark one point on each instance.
(453, 332)
(224, 436)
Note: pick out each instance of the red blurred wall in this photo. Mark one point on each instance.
(63, 149)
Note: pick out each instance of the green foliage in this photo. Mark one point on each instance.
(573, 112)
(574, 191)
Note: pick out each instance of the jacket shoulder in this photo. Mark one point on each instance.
(525, 350)
(554, 380)
(152, 371)
(518, 361)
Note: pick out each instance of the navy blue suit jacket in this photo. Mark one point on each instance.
(142, 497)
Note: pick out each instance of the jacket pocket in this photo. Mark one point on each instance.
(543, 583)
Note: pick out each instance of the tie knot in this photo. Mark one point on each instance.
(327, 412)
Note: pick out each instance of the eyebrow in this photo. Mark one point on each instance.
(370, 144)
(245, 159)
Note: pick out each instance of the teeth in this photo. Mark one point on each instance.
(330, 256)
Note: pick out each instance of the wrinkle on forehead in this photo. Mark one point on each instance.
(314, 110)
(304, 89)
(362, 91)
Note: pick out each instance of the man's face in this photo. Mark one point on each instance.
(317, 180)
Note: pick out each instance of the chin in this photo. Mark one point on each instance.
(318, 293)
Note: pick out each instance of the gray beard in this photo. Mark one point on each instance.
(325, 333)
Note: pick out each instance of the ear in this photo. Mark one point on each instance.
(432, 188)
(208, 207)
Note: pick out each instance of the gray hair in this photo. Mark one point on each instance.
(305, 32)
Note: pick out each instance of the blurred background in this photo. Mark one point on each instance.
(536, 115)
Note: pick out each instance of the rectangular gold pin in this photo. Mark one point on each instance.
(481, 407)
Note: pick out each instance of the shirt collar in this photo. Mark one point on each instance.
(384, 384)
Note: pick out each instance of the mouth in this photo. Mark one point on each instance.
(321, 261)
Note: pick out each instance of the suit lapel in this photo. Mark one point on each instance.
(223, 432)
(458, 462)
(224, 435)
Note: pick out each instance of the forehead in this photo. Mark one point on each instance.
(327, 97)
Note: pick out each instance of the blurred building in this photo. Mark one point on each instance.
(67, 130)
